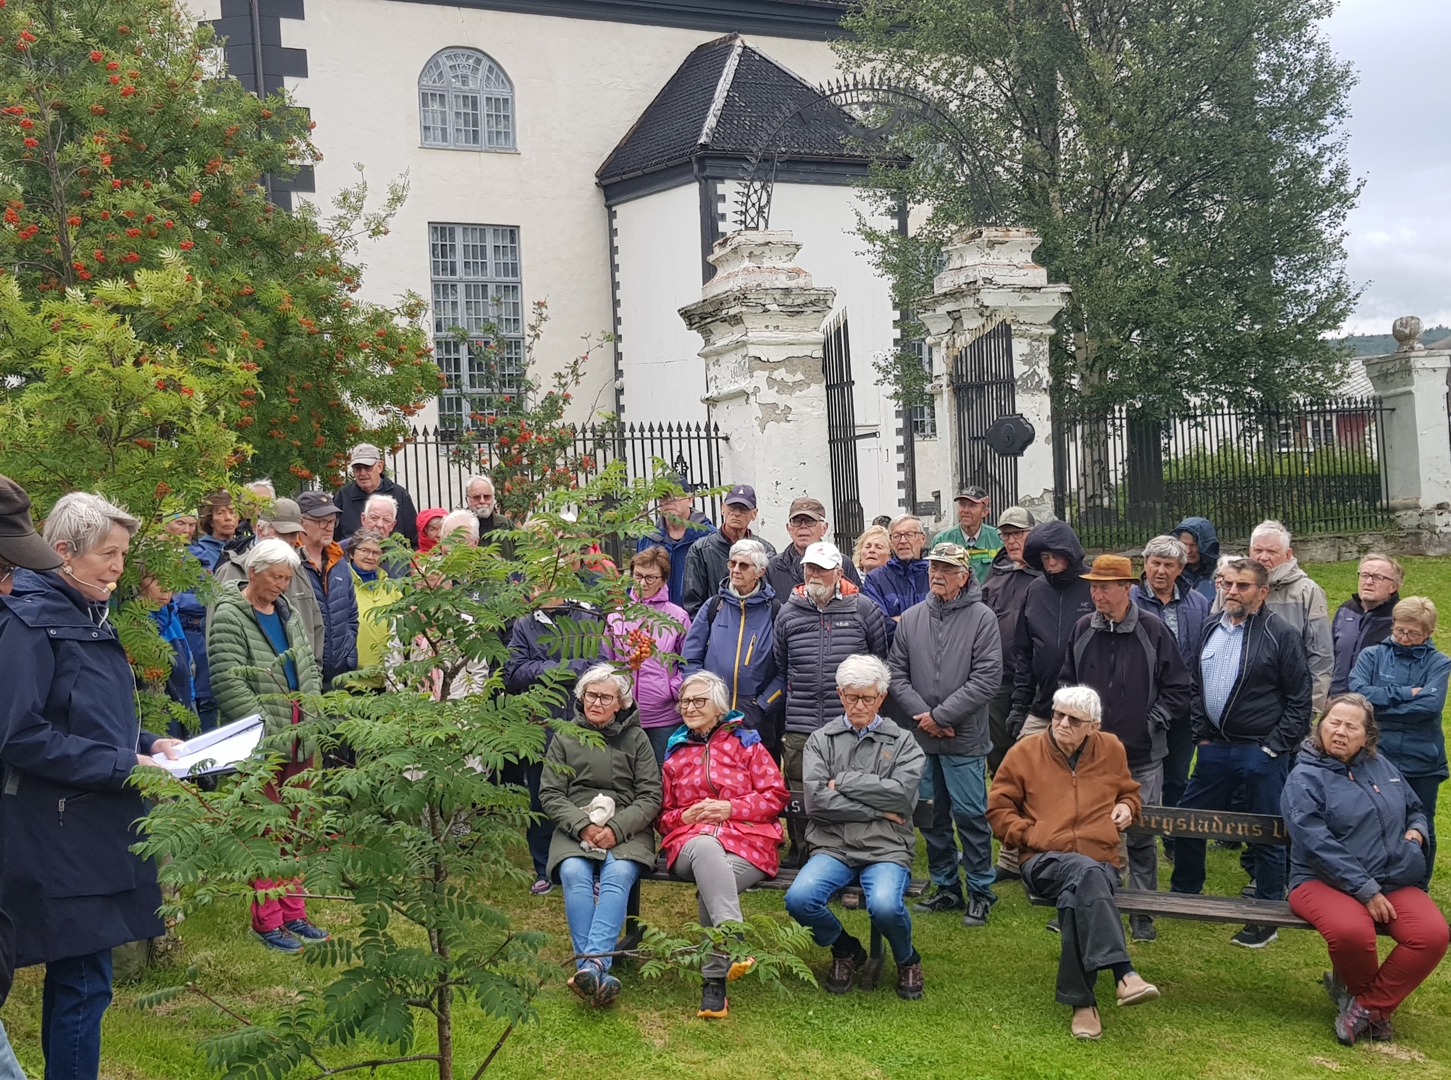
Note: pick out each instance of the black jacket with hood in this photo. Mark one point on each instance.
(1052, 606)
(1200, 577)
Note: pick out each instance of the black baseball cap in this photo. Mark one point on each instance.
(741, 495)
(973, 492)
(317, 504)
(20, 544)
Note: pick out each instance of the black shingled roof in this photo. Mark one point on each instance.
(724, 99)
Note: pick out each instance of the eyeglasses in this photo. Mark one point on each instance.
(646, 579)
(1073, 721)
(1237, 586)
(693, 704)
(594, 697)
(803, 522)
(859, 699)
(741, 564)
(1377, 579)
(906, 535)
(1412, 635)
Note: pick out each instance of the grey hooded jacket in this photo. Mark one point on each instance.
(876, 773)
(947, 658)
(1296, 599)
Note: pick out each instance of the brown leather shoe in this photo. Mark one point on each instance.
(1133, 989)
(1086, 1024)
(843, 974)
(909, 981)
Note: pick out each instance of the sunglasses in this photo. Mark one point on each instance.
(1073, 721)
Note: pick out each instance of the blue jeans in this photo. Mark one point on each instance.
(882, 883)
(9, 1068)
(539, 833)
(1221, 769)
(956, 784)
(594, 925)
(77, 992)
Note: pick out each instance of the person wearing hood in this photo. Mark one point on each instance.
(705, 562)
(603, 799)
(946, 663)
(1201, 544)
(1052, 606)
(1184, 610)
(822, 622)
(1364, 619)
(327, 569)
(661, 633)
(1357, 856)
(806, 523)
(734, 636)
(902, 582)
(676, 529)
(721, 818)
(1131, 659)
(430, 528)
(1405, 680)
(1007, 582)
(1298, 600)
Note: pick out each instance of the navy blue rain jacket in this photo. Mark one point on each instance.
(1201, 577)
(739, 645)
(1191, 608)
(333, 588)
(896, 586)
(1353, 630)
(1410, 724)
(1348, 822)
(193, 614)
(71, 736)
(536, 645)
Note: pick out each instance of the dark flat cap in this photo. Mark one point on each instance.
(20, 545)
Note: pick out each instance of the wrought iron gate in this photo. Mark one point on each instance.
(984, 388)
(846, 498)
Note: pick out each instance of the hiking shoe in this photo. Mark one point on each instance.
(1255, 937)
(585, 981)
(978, 908)
(1354, 1022)
(606, 992)
(541, 886)
(842, 975)
(1133, 989)
(1002, 873)
(1054, 928)
(307, 931)
(941, 900)
(1085, 1023)
(1248, 892)
(1141, 928)
(712, 1000)
(279, 940)
(909, 981)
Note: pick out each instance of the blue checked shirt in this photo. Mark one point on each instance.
(1219, 666)
(860, 733)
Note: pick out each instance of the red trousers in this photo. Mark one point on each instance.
(1419, 930)
(270, 914)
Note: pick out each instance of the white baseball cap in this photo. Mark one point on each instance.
(823, 555)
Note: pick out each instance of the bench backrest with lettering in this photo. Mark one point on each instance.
(1211, 825)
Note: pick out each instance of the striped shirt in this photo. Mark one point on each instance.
(1219, 665)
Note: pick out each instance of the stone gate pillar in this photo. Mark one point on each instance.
(760, 318)
(1412, 385)
(991, 278)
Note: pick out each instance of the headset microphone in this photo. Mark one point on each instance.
(109, 587)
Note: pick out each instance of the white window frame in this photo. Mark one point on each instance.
(477, 286)
(466, 102)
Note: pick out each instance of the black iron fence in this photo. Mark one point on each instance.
(434, 465)
(1317, 465)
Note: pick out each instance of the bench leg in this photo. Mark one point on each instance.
(872, 969)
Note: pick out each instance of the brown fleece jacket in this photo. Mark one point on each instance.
(1037, 803)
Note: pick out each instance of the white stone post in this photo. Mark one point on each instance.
(990, 277)
(1412, 385)
(760, 318)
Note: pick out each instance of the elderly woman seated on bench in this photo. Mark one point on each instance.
(1070, 846)
(860, 773)
(722, 816)
(1357, 855)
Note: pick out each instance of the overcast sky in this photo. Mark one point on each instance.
(1400, 143)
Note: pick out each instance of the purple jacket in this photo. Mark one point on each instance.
(657, 683)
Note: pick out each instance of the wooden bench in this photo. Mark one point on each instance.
(1173, 821)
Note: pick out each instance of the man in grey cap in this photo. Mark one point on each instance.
(366, 463)
(1007, 580)
(283, 521)
(21, 547)
(972, 530)
(805, 524)
(705, 565)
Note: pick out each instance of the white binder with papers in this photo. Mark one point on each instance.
(214, 751)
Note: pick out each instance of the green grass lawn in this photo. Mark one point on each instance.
(988, 1010)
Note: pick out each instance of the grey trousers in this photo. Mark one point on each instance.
(1008, 857)
(1093, 932)
(1141, 853)
(720, 877)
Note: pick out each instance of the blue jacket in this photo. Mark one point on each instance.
(535, 647)
(333, 587)
(739, 645)
(1347, 824)
(895, 587)
(1354, 630)
(71, 736)
(179, 685)
(698, 526)
(1200, 577)
(1410, 724)
(193, 615)
(1190, 606)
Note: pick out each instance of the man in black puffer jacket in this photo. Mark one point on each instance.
(821, 623)
(1052, 606)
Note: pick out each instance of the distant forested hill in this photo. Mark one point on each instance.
(1379, 344)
